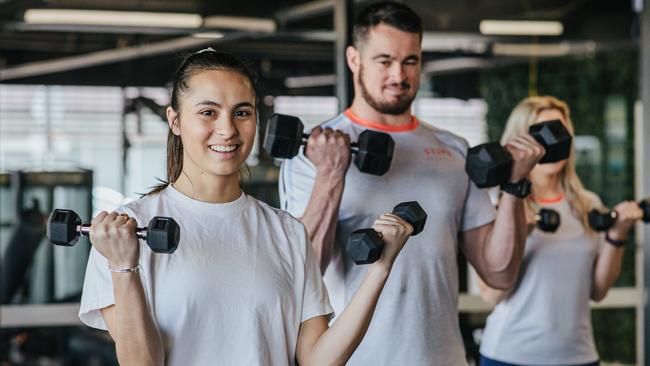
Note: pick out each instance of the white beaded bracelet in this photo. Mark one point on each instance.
(124, 270)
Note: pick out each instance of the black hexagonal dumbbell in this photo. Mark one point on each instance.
(64, 227)
(284, 136)
(602, 221)
(490, 164)
(365, 245)
(547, 219)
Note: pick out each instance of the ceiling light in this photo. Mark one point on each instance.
(112, 18)
(526, 50)
(311, 81)
(240, 23)
(451, 42)
(213, 35)
(521, 28)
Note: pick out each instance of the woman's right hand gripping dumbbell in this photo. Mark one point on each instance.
(394, 233)
(114, 236)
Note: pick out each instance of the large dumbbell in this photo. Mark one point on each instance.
(284, 135)
(64, 227)
(490, 164)
(602, 221)
(365, 245)
(547, 219)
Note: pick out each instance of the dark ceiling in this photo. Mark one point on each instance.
(302, 44)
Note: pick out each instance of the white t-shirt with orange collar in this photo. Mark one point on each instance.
(416, 320)
(546, 320)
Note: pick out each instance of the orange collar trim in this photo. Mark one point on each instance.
(550, 200)
(380, 126)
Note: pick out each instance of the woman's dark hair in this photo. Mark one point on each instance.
(203, 60)
(390, 13)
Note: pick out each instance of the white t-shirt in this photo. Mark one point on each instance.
(416, 319)
(235, 291)
(546, 320)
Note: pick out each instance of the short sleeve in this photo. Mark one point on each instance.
(97, 290)
(315, 300)
(296, 182)
(478, 209)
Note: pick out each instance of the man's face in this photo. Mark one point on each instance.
(386, 69)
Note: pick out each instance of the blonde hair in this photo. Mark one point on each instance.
(524, 115)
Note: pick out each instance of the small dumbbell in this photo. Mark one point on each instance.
(284, 136)
(490, 164)
(365, 245)
(602, 221)
(547, 219)
(64, 227)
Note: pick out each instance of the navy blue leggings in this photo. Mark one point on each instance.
(490, 362)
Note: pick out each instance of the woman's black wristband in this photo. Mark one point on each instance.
(614, 242)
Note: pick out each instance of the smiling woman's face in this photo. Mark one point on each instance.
(217, 123)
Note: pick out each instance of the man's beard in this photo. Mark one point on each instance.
(401, 105)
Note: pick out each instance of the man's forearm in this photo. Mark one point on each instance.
(321, 216)
(505, 245)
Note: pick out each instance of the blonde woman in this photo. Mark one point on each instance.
(545, 319)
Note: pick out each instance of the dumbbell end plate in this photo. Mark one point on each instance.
(488, 164)
(555, 138)
(163, 235)
(364, 246)
(62, 227)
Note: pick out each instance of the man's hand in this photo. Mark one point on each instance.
(329, 150)
(526, 152)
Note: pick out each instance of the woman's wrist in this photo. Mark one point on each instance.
(123, 264)
(614, 238)
(379, 270)
(124, 269)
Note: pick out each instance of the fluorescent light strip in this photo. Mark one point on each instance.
(212, 35)
(112, 18)
(455, 64)
(521, 28)
(526, 50)
(449, 42)
(240, 23)
(311, 81)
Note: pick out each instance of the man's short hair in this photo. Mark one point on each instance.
(390, 13)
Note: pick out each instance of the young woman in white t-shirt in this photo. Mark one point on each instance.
(243, 287)
(546, 319)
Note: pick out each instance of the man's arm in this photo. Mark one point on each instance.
(321, 216)
(490, 295)
(495, 249)
(329, 151)
(493, 296)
